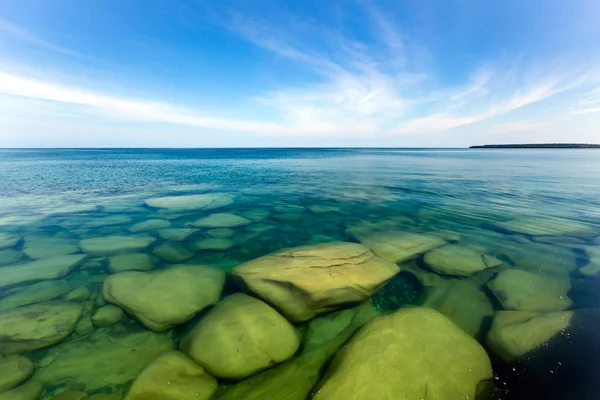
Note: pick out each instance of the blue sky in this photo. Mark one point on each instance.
(159, 73)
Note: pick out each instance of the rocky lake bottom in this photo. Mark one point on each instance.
(299, 274)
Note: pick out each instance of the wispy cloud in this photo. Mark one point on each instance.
(516, 126)
(24, 35)
(118, 107)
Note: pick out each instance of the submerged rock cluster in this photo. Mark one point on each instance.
(119, 307)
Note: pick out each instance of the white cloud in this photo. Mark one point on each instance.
(117, 107)
(23, 34)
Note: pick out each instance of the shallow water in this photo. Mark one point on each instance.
(532, 211)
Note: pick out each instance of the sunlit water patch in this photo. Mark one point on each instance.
(299, 274)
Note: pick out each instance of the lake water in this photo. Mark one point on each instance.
(504, 244)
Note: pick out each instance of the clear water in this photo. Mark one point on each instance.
(464, 196)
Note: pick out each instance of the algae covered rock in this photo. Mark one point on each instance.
(172, 376)
(163, 299)
(239, 337)
(107, 357)
(295, 378)
(36, 326)
(55, 267)
(305, 281)
(458, 260)
(10, 256)
(28, 391)
(129, 262)
(172, 252)
(212, 244)
(220, 232)
(206, 201)
(515, 333)
(524, 291)
(412, 354)
(107, 316)
(222, 220)
(113, 245)
(395, 246)
(14, 370)
(35, 293)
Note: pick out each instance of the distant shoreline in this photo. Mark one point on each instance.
(539, 146)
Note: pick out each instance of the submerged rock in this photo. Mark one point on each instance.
(220, 232)
(46, 246)
(593, 266)
(10, 256)
(8, 240)
(213, 244)
(207, 201)
(256, 215)
(549, 226)
(173, 252)
(14, 370)
(305, 281)
(129, 262)
(107, 316)
(163, 299)
(221, 220)
(176, 234)
(524, 291)
(294, 379)
(462, 301)
(149, 225)
(458, 260)
(39, 270)
(71, 395)
(78, 294)
(112, 245)
(515, 333)
(36, 293)
(414, 353)
(107, 357)
(172, 376)
(395, 246)
(36, 326)
(108, 221)
(324, 209)
(239, 337)
(28, 391)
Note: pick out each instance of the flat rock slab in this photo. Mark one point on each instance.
(221, 232)
(239, 337)
(414, 353)
(45, 246)
(35, 293)
(305, 281)
(107, 357)
(27, 391)
(176, 234)
(458, 260)
(173, 375)
(515, 333)
(130, 262)
(525, 291)
(8, 240)
(396, 246)
(221, 220)
(546, 227)
(207, 201)
(37, 326)
(149, 225)
(163, 299)
(112, 245)
(45, 269)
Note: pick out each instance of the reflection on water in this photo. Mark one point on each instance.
(299, 274)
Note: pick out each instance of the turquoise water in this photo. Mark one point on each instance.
(482, 234)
